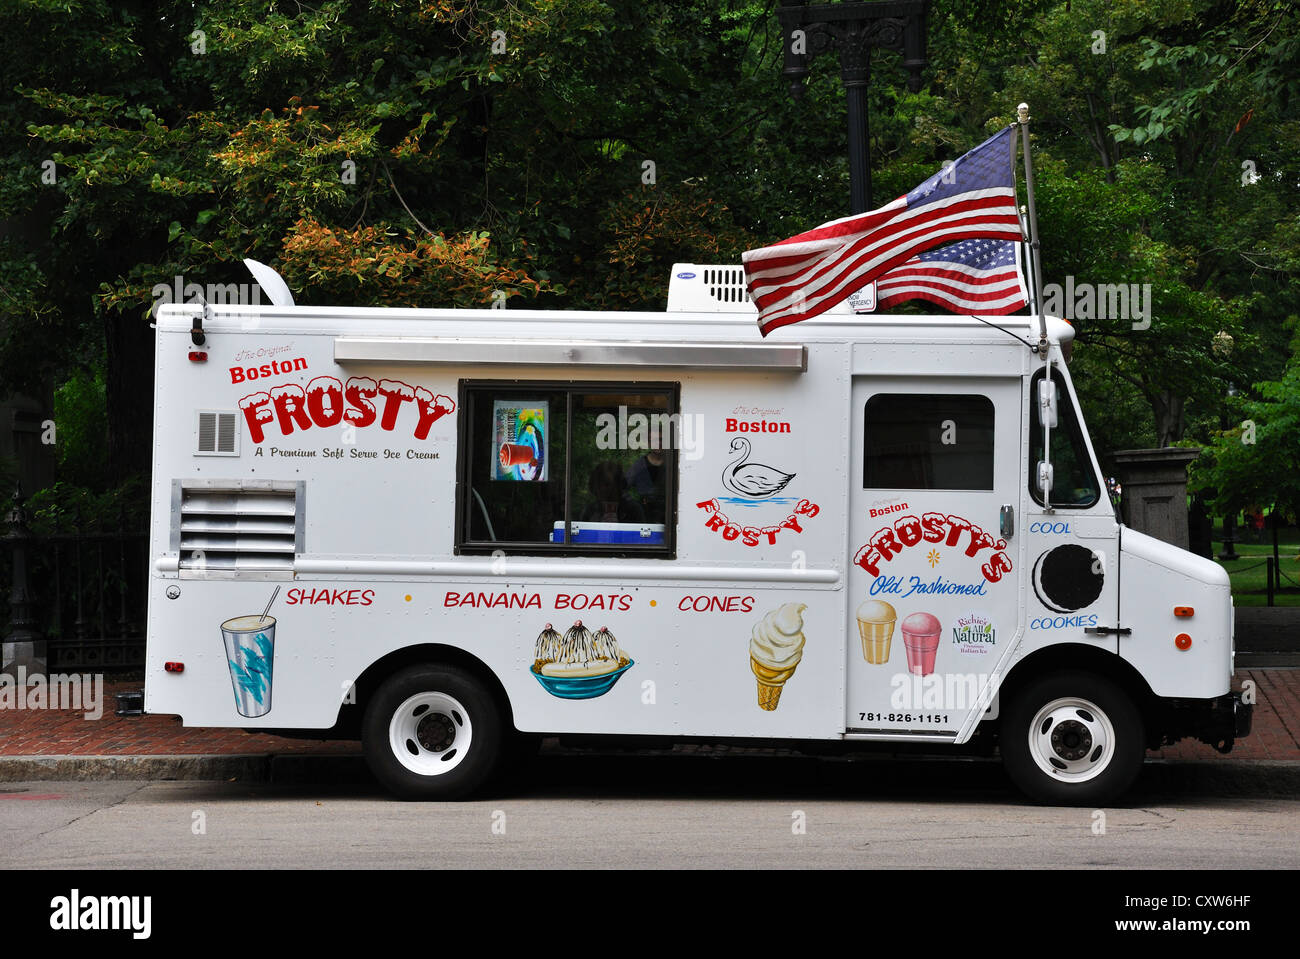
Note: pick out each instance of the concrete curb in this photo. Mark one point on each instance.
(1177, 780)
(256, 768)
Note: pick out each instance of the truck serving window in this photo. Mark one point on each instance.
(573, 469)
(1074, 484)
(928, 441)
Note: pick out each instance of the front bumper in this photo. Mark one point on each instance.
(1220, 721)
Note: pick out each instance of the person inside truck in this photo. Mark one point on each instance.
(647, 480)
(613, 503)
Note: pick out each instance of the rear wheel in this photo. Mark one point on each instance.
(1072, 738)
(432, 732)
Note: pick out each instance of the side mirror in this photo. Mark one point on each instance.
(1045, 477)
(1047, 403)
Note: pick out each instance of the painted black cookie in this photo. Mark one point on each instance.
(1068, 578)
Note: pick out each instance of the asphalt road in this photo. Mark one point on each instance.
(666, 812)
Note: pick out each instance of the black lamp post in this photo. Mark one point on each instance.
(852, 30)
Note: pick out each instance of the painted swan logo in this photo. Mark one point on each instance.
(752, 479)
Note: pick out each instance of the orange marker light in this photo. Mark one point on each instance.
(1184, 612)
(1183, 641)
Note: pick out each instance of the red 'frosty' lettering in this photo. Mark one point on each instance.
(325, 400)
(395, 393)
(978, 540)
(884, 541)
(932, 526)
(888, 541)
(290, 407)
(998, 564)
(432, 408)
(868, 558)
(909, 530)
(359, 392)
(719, 522)
(955, 526)
(255, 413)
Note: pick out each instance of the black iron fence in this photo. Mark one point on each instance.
(78, 583)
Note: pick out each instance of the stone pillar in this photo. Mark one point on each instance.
(22, 645)
(1155, 491)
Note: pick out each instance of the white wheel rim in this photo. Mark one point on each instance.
(1072, 740)
(430, 734)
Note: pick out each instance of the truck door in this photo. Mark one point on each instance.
(935, 589)
(1072, 549)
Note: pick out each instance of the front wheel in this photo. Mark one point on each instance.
(1072, 738)
(432, 732)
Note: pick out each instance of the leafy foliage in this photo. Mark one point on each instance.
(564, 153)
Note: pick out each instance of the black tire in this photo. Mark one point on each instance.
(432, 732)
(1072, 739)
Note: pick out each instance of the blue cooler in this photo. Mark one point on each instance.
(614, 534)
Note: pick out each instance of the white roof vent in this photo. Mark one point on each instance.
(720, 288)
(710, 288)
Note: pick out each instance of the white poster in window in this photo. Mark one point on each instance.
(519, 439)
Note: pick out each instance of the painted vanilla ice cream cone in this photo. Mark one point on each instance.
(775, 649)
(876, 627)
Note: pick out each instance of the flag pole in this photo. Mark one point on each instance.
(1022, 115)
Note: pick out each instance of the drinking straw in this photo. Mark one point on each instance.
(269, 602)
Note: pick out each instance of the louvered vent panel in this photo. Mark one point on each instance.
(238, 529)
(216, 434)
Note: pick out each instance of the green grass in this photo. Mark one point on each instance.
(1247, 573)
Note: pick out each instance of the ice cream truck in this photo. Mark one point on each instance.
(448, 533)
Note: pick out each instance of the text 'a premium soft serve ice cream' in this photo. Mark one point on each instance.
(775, 649)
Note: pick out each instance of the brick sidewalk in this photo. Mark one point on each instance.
(49, 732)
(64, 732)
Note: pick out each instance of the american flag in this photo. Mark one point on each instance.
(973, 276)
(806, 275)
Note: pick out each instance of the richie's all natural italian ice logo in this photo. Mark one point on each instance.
(359, 402)
(974, 634)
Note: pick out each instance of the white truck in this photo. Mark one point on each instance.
(448, 532)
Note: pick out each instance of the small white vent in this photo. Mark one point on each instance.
(239, 526)
(720, 288)
(695, 288)
(216, 434)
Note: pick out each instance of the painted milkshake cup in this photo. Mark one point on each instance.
(921, 640)
(250, 654)
(876, 628)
